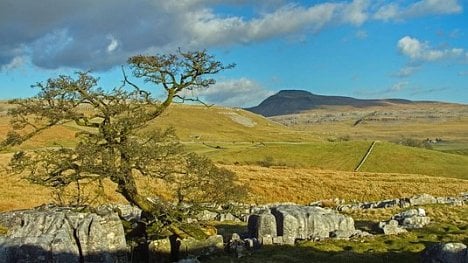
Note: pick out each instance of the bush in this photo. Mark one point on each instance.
(268, 161)
(411, 142)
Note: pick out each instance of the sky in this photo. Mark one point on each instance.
(375, 49)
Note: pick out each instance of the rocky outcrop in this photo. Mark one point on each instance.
(391, 227)
(416, 200)
(409, 219)
(56, 234)
(284, 224)
(446, 253)
(413, 218)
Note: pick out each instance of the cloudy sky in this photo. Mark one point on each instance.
(361, 48)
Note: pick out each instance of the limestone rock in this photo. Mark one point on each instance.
(262, 226)
(207, 215)
(56, 234)
(422, 199)
(306, 222)
(128, 212)
(446, 253)
(391, 228)
(413, 218)
(286, 223)
(227, 217)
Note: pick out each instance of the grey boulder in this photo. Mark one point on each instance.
(55, 234)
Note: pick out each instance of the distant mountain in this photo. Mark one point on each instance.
(295, 101)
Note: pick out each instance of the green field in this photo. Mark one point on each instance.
(234, 136)
(341, 156)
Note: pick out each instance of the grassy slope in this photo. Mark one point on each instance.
(302, 185)
(392, 158)
(325, 155)
(199, 123)
(235, 136)
(266, 185)
(343, 156)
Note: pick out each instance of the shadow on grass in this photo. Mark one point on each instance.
(379, 248)
(34, 253)
(280, 254)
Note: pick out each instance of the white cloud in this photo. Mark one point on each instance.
(207, 28)
(393, 11)
(361, 34)
(406, 71)
(113, 45)
(421, 51)
(398, 87)
(356, 12)
(16, 62)
(241, 92)
(106, 32)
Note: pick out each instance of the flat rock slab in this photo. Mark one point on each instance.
(57, 234)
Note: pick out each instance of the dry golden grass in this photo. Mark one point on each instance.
(17, 193)
(307, 185)
(267, 185)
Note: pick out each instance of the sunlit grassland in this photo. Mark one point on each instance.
(448, 122)
(202, 124)
(302, 167)
(341, 156)
(265, 185)
(448, 224)
(299, 185)
(392, 158)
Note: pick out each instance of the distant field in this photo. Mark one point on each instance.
(341, 156)
(448, 122)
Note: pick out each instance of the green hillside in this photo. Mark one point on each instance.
(235, 136)
(341, 156)
(393, 158)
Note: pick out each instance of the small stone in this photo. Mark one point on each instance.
(278, 240)
(267, 240)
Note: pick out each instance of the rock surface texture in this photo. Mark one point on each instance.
(409, 219)
(416, 200)
(446, 253)
(284, 224)
(57, 234)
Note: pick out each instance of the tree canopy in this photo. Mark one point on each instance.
(114, 142)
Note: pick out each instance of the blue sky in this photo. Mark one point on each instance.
(362, 48)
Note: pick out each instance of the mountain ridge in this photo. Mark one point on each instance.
(295, 101)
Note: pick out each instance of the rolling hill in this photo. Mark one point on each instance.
(193, 123)
(294, 161)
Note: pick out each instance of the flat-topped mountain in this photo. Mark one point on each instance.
(295, 101)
